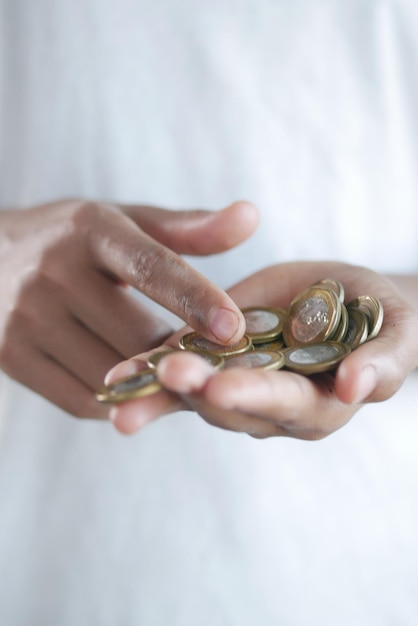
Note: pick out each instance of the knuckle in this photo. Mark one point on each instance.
(82, 214)
(187, 306)
(148, 266)
(82, 218)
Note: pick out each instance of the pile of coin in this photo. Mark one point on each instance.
(316, 332)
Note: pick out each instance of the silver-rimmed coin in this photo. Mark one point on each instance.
(373, 308)
(343, 325)
(315, 358)
(263, 323)
(138, 385)
(358, 328)
(194, 341)
(256, 359)
(313, 317)
(334, 285)
(213, 359)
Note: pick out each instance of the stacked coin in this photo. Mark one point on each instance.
(316, 332)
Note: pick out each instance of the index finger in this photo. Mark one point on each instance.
(123, 250)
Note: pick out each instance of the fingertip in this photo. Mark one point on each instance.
(226, 325)
(127, 420)
(123, 369)
(242, 219)
(249, 213)
(184, 373)
(355, 385)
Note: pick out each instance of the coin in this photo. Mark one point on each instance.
(195, 342)
(373, 308)
(213, 359)
(343, 325)
(335, 285)
(138, 385)
(358, 328)
(315, 358)
(256, 359)
(271, 346)
(313, 316)
(263, 323)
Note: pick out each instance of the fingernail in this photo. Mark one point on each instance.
(367, 383)
(224, 325)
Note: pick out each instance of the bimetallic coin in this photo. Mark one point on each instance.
(256, 359)
(315, 358)
(156, 357)
(195, 342)
(373, 308)
(139, 385)
(213, 359)
(358, 328)
(263, 323)
(313, 317)
(334, 285)
(343, 325)
(271, 346)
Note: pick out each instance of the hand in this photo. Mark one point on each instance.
(271, 403)
(66, 315)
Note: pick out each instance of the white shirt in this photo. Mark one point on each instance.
(308, 110)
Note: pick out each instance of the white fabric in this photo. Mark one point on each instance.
(309, 110)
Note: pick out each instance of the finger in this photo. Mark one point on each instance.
(121, 249)
(303, 407)
(78, 350)
(131, 416)
(197, 232)
(115, 315)
(47, 378)
(187, 375)
(376, 370)
(234, 421)
(260, 403)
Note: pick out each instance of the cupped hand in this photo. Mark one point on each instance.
(271, 403)
(66, 315)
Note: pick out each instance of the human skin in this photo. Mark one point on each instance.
(283, 403)
(66, 313)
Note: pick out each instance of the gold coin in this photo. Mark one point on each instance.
(213, 359)
(334, 285)
(373, 308)
(138, 385)
(358, 328)
(313, 317)
(195, 342)
(315, 358)
(256, 359)
(343, 325)
(263, 323)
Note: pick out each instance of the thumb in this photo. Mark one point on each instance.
(196, 232)
(376, 370)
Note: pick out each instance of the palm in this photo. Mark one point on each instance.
(264, 403)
